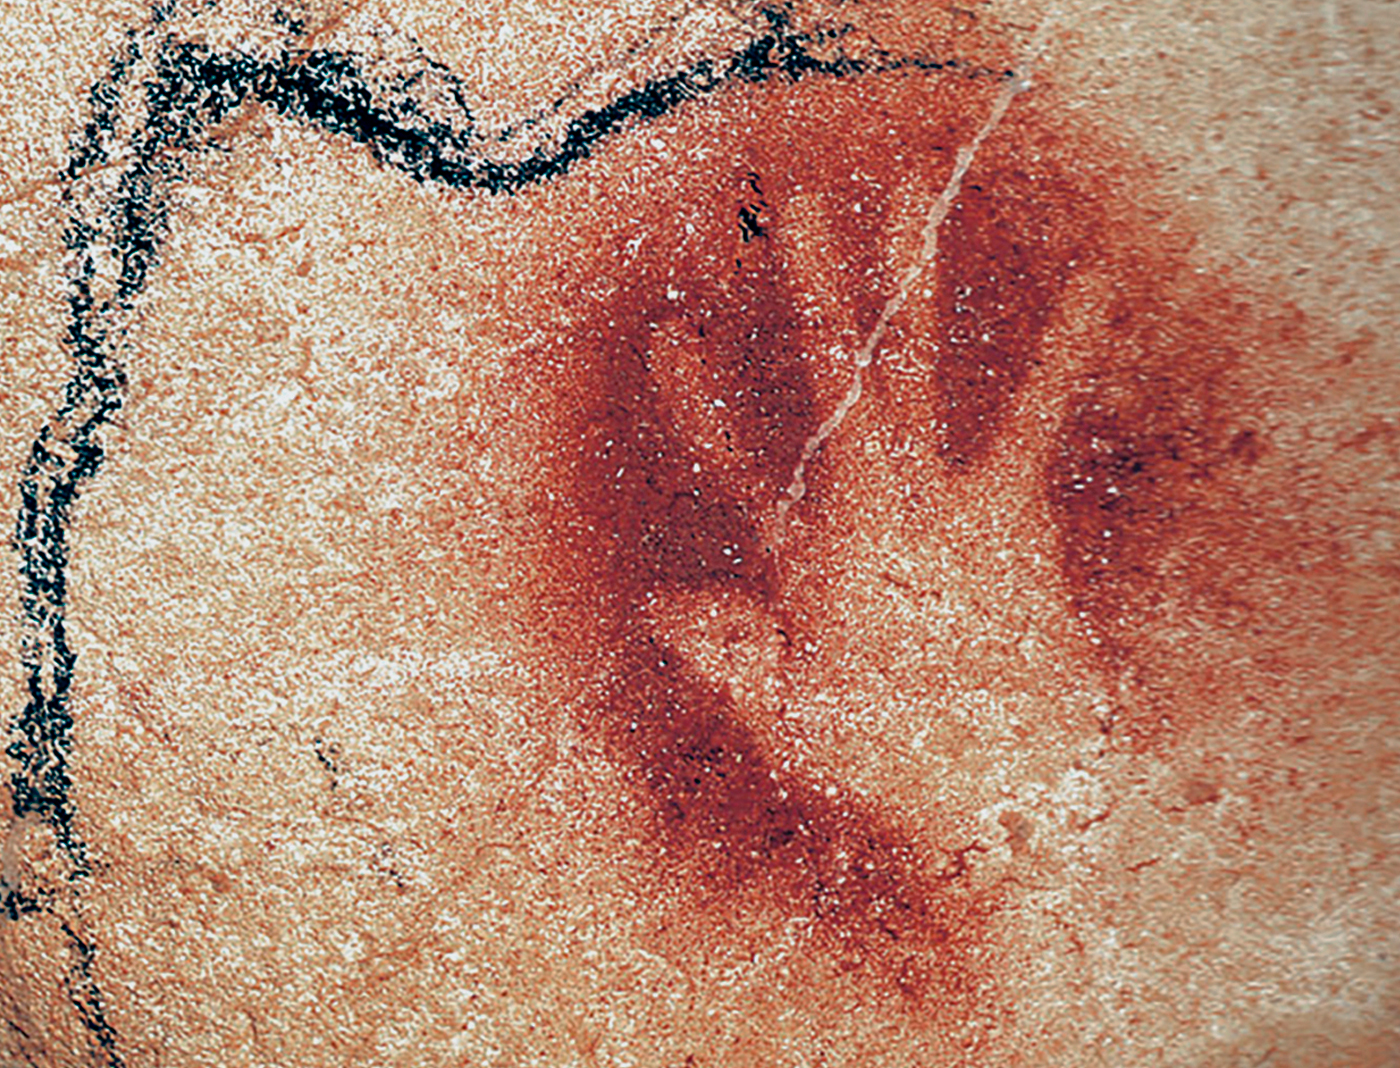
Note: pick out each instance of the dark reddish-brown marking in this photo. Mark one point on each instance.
(706, 356)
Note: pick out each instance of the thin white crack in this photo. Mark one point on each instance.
(938, 212)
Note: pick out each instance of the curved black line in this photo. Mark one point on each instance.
(193, 89)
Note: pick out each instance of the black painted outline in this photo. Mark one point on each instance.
(193, 90)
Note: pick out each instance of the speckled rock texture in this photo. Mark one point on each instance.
(687, 535)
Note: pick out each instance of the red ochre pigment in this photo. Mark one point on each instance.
(1059, 330)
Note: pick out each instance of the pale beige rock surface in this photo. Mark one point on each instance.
(329, 815)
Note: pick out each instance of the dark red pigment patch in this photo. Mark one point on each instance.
(704, 402)
(1150, 480)
(732, 823)
(713, 352)
(700, 375)
(1004, 256)
(1150, 483)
